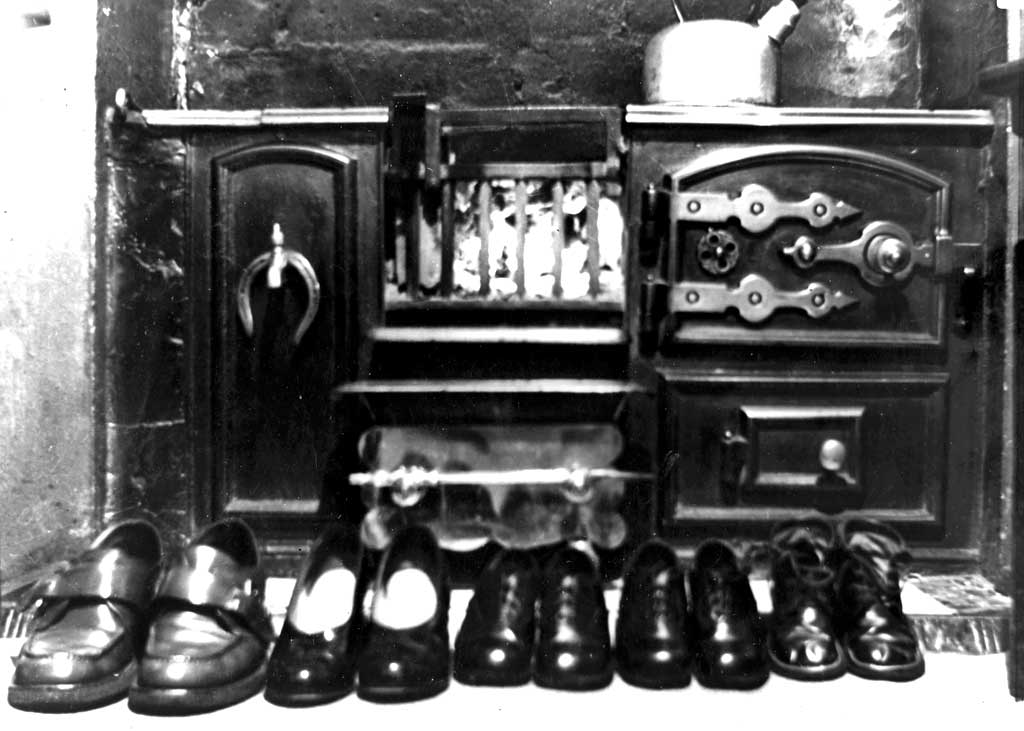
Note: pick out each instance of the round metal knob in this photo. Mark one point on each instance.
(889, 254)
(832, 455)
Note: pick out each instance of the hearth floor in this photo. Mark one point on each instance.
(957, 690)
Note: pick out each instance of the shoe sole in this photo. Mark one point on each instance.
(490, 678)
(661, 683)
(812, 674)
(302, 700)
(401, 693)
(68, 697)
(574, 681)
(893, 673)
(187, 701)
(738, 682)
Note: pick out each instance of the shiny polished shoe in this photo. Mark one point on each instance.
(89, 624)
(209, 635)
(651, 645)
(406, 656)
(314, 658)
(494, 646)
(573, 646)
(802, 642)
(879, 641)
(728, 634)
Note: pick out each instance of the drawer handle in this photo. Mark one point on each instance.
(832, 455)
(275, 261)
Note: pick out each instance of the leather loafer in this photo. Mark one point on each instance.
(495, 644)
(802, 642)
(208, 640)
(728, 633)
(89, 624)
(879, 641)
(573, 647)
(406, 656)
(314, 658)
(651, 646)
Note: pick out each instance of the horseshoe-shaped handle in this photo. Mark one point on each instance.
(275, 261)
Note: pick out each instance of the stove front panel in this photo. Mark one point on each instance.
(811, 297)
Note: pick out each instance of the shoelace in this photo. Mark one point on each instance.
(868, 581)
(723, 598)
(660, 604)
(567, 600)
(510, 603)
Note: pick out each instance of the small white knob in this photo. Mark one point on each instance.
(832, 455)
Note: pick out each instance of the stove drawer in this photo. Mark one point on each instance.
(758, 449)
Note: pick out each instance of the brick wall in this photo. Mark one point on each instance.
(255, 53)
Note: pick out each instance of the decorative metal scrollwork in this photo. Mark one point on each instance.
(717, 252)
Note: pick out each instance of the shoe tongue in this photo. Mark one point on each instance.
(885, 556)
(807, 554)
(799, 536)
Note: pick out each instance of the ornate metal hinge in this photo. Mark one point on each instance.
(756, 299)
(758, 209)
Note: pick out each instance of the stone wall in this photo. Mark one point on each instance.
(46, 273)
(255, 53)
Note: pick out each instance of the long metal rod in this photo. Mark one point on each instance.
(415, 477)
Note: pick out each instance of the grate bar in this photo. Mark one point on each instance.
(557, 235)
(593, 244)
(447, 239)
(413, 216)
(484, 228)
(520, 275)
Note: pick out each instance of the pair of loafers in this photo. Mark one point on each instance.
(187, 635)
(386, 637)
(836, 602)
(550, 626)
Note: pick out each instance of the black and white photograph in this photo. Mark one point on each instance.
(476, 364)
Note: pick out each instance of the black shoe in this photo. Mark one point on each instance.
(574, 647)
(494, 646)
(802, 640)
(877, 637)
(651, 646)
(210, 634)
(728, 634)
(89, 624)
(400, 662)
(314, 659)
